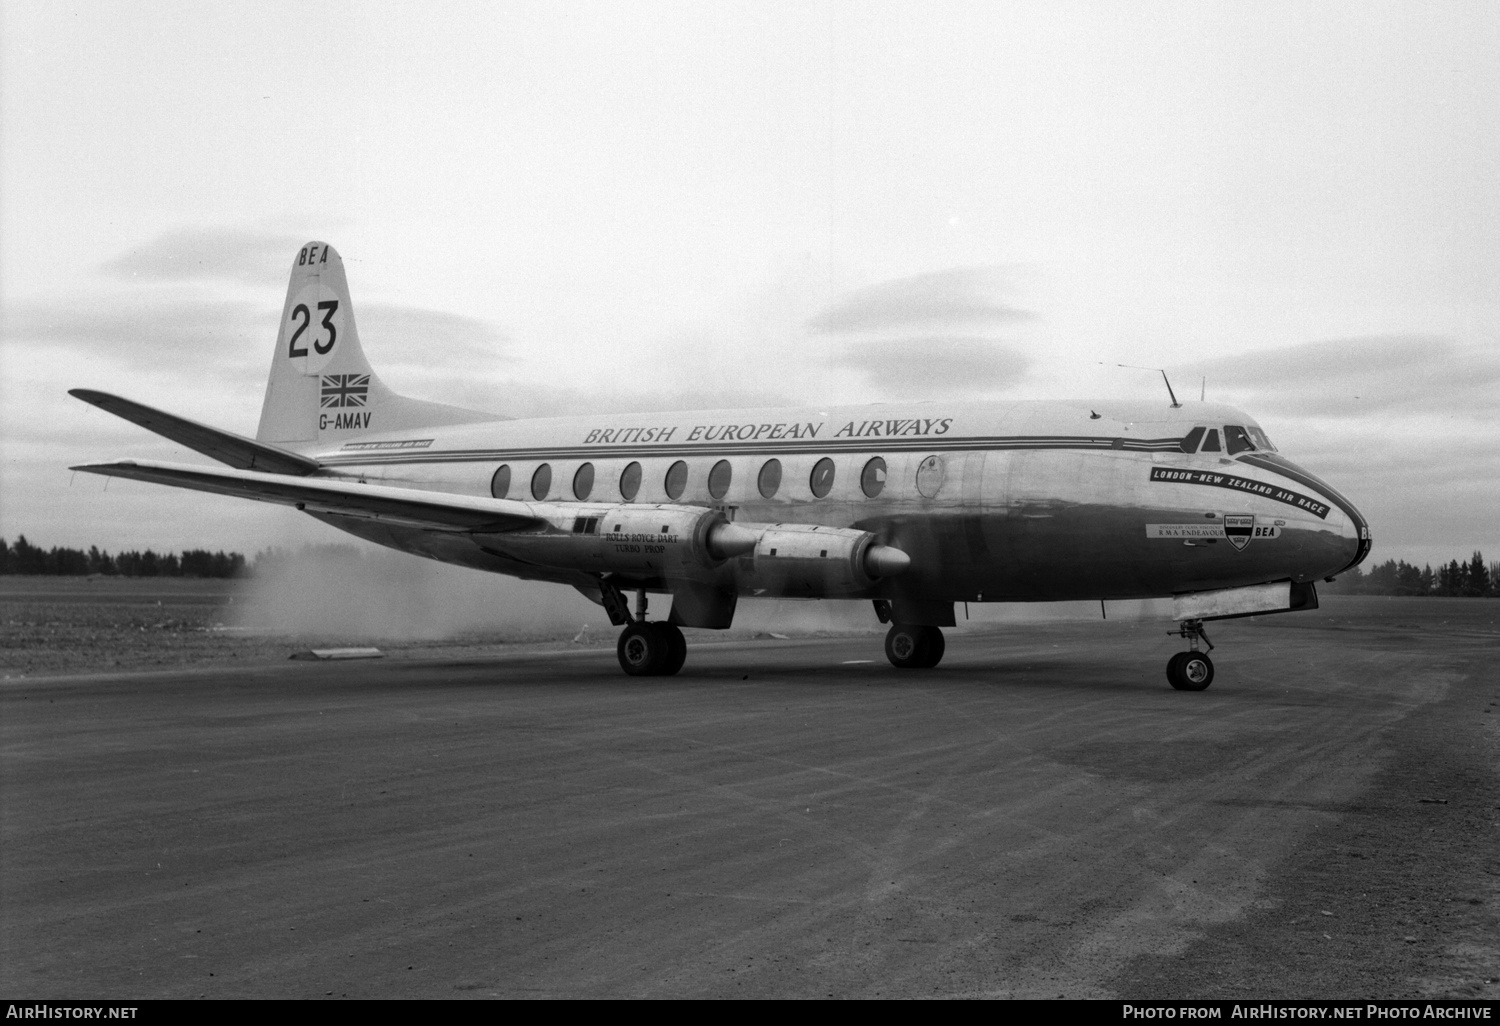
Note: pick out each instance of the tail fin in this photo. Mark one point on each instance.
(322, 388)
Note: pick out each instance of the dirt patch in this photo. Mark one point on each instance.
(1400, 898)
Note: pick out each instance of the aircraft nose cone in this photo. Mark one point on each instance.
(1356, 535)
(1354, 532)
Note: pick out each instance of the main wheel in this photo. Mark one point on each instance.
(643, 649)
(1190, 671)
(676, 648)
(936, 646)
(903, 646)
(913, 647)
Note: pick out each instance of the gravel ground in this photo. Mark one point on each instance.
(1041, 816)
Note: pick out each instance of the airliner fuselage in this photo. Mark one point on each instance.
(999, 502)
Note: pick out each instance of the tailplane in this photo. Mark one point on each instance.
(322, 389)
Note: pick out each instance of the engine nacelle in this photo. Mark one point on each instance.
(690, 543)
(815, 562)
(629, 540)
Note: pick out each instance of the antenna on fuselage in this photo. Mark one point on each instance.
(1130, 366)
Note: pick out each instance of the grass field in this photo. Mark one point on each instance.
(51, 625)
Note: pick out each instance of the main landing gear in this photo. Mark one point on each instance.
(646, 649)
(1191, 670)
(914, 647)
(651, 649)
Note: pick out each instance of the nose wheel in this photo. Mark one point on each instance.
(1192, 670)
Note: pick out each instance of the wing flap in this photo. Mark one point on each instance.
(432, 511)
(224, 446)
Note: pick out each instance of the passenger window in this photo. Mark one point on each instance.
(872, 478)
(541, 482)
(1191, 439)
(1211, 443)
(718, 479)
(821, 480)
(676, 480)
(630, 482)
(1236, 440)
(769, 481)
(500, 483)
(930, 476)
(583, 481)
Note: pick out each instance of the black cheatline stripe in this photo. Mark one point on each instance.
(873, 446)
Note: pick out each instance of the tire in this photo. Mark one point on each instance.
(908, 646)
(1172, 665)
(936, 646)
(1190, 671)
(676, 653)
(643, 650)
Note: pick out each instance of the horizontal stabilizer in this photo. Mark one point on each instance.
(407, 507)
(224, 446)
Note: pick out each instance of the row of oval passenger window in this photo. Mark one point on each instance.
(675, 482)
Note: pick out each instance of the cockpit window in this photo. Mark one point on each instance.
(1260, 439)
(1236, 440)
(1191, 439)
(1211, 443)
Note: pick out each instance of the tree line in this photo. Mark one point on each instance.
(26, 558)
(1473, 579)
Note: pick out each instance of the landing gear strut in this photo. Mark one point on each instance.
(914, 647)
(646, 649)
(1191, 670)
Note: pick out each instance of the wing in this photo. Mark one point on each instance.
(432, 511)
(224, 446)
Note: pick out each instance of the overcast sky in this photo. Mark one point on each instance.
(560, 207)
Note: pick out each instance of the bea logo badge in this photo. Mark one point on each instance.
(1239, 528)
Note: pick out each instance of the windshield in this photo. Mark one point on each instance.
(1237, 439)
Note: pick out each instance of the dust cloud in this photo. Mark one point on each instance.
(366, 592)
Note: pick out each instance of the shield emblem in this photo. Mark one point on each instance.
(1237, 528)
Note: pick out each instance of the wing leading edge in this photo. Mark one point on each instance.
(432, 511)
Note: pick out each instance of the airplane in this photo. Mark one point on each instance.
(913, 507)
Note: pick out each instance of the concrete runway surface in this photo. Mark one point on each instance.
(1040, 816)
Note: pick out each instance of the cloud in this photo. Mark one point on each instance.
(958, 297)
(208, 254)
(192, 342)
(1352, 377)
(415, 336)
(191, 332)
(920, 368)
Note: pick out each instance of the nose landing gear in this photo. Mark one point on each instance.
(1191, 670)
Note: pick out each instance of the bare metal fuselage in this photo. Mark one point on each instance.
(995, 502)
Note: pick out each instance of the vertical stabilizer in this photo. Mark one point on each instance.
(322, 389)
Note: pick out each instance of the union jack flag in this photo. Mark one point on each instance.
(345, 389)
